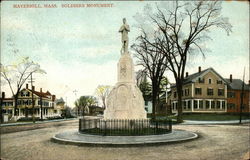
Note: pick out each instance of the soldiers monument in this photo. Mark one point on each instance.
(125, 101)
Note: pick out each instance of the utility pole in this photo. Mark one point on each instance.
(32, 97)
(77, 110)
(41, 106)
(242, 95)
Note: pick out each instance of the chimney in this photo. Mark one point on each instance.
(53, 97)
(33, 88)
(27, 86)
(41, 90)
(186, 74)
(231, 78)
(3, 95)
(199, 70)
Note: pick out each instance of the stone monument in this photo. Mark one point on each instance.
(125, 100)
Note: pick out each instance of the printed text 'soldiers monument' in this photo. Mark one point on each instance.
(125, 101)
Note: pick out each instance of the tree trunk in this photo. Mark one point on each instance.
(26, 112)
(1, 109)
(155, 91)
(153, 101)
(15, 106)
(179, 104)
(83, 109)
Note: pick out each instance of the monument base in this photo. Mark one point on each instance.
(125, 101)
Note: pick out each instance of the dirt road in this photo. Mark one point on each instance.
(222, 142)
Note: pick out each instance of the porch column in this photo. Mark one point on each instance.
(225, 105)
(40, 113)
(198, 104)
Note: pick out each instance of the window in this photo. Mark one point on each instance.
(209, 81)
(231, 94)
(220, 92)
(146, 103)
(186, 92)
(231, 106)
(195, 104)
(210, 91)
(201, 80)
(189, 104)
(185, 104)
(218, 104)
(198, 91)
(207, 104)
(174, 94)
(25, 102)
(201, 104)
(243, 106)
(212, 104)
(174, 105)
(219, 81)
(223, 104)
(19, 102)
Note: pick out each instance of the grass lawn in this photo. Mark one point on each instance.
(213, 117)
(207, 117)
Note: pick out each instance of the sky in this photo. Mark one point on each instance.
(79, 47)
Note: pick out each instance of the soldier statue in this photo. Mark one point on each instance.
(124, 31)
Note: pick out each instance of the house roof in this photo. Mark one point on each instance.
(7, 99)
(42, 94)
(191, 78)
(237, 84)
(60, 100)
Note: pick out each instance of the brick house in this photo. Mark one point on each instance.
(234, 95)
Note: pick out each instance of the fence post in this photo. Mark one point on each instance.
(105, 128)
(80, 126)
(170, 125)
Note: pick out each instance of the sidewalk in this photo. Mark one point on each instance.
(189, 122)
(37, 122)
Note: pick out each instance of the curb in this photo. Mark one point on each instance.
(123, 144)
(37, 122)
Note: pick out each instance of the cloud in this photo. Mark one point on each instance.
(84, 78)
(11, 22)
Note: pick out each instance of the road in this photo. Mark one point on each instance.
(220, 142)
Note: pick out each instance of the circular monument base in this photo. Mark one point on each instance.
(76, 138)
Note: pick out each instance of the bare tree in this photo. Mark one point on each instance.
(182, 29)
(103, 91)
(153, 62)
(16, 75)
